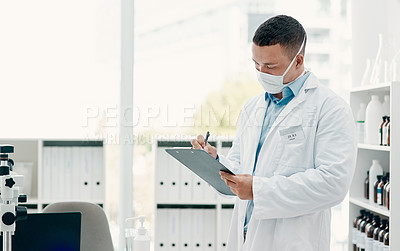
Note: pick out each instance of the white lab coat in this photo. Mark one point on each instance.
(296, 182)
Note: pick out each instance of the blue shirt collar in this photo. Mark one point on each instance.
(290, 90)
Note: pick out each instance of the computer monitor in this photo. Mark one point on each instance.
(48, 232)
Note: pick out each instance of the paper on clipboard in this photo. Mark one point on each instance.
(202, 164)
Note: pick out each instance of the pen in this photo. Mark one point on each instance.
(207, 135)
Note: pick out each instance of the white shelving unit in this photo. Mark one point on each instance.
(182, 192)
(31, 150)
(388, 156)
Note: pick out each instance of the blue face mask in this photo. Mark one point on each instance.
(273, 84)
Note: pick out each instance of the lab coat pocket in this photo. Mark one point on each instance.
(292, 135)
(294, 150)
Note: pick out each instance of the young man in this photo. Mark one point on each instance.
(294, 152)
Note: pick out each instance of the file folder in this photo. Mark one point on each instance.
(226, 219)
(185, 185)
(210, 229)
(162, 228)
(173, 229)
(161, 175)
(198, 230)
(202, 164)
(76, 173)
(186, 230)
(173, 180)
(47, 175)
(97, 184)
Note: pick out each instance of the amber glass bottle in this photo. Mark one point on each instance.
(369, 230)
(366, 187)
(361, 240)
(354, 233)
(376, 234)
(382, 236)
(379, 190)
(379, 179)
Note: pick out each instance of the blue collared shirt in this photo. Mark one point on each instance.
(274, 108)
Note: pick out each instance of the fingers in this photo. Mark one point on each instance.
(211, 150)
(228, 177)
(195, 144)
(198, 143)
(200, 140)
(229, 183)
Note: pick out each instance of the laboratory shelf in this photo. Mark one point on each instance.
(185, 203)
(374, 147)
(380, 87)
(364, 203)
(31, 150)
(388, 157)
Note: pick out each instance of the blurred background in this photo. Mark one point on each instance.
(60, 75)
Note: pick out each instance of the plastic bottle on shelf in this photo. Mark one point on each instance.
(386, 105)
(373, 117)
(385, 131)
(361, 122)
(381, 130)
(366, 186)
(142, 240)
(375, 170)
(379, 190)
(376, 183)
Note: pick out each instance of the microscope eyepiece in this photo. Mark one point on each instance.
(6, 148)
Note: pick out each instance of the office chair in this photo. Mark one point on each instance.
(95, 231)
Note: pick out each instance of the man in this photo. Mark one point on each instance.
(294, 151)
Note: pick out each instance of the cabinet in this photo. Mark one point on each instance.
(189, 215)
(61, 170)
(388, 156)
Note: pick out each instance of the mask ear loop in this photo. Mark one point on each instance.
(301, 47)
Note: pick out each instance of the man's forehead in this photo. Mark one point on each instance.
(271, 52)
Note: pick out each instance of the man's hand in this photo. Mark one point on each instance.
(199, 144)
(240, 184)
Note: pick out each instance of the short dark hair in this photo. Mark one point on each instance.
(283, 30)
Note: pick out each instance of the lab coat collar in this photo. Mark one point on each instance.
(311, 83)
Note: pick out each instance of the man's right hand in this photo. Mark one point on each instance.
(199, 144)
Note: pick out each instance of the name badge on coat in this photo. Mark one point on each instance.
(292, 134)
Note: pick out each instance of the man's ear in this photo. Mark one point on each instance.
(299, 60)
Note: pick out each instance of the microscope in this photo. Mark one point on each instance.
(10, 184)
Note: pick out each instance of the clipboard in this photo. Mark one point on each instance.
(204, 165)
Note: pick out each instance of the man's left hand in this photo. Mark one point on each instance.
(240, 184)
